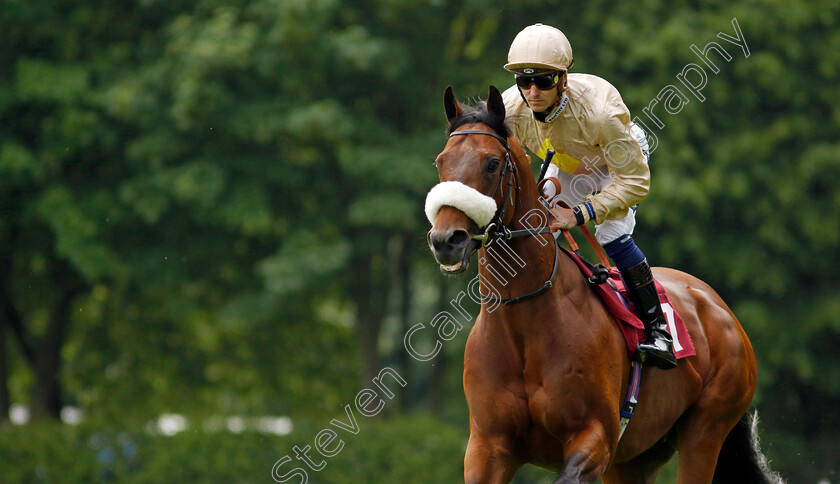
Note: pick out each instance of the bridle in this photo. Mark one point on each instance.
(490, 231)
(496, 229)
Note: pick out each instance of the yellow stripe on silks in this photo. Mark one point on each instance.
(546, 145)
(562, 160)
(566, 162)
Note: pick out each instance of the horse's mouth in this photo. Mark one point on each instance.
(464, 263)
(456, 268)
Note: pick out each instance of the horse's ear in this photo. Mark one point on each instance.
(495, 103)
(453, 109)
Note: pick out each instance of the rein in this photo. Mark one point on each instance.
(496, 230)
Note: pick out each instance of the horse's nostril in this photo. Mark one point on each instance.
(459, 238)
(441, 241)
(436, 241)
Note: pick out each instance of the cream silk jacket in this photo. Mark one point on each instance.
(601, 154)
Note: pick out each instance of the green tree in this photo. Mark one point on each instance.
(220, 202)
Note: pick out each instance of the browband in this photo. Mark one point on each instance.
(481, 131)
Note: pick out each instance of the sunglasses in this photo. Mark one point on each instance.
(543, 82)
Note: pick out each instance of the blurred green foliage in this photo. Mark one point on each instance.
(216, 208)
(394, 450)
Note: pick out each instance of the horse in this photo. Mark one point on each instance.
(545, 372)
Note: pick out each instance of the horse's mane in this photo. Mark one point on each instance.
(479, 114)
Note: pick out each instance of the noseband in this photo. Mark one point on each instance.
(496, 229)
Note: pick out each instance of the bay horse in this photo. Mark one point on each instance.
(544, 378)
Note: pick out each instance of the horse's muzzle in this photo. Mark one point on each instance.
(451, 248)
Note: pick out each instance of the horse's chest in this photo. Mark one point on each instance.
(557, 402)
(541, 395)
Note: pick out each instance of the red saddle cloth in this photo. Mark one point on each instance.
(628, 322)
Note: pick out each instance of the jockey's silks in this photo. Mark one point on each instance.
(598, 148)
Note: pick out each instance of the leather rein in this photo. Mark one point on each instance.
(496, 230)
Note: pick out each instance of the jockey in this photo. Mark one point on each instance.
(601, 161)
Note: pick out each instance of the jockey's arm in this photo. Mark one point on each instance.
(628, 169)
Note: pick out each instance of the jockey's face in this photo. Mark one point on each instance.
(540, 100)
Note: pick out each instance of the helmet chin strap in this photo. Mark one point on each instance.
(559, 106)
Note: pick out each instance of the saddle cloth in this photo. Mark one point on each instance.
(628, 322)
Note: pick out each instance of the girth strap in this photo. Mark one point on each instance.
(632, 396)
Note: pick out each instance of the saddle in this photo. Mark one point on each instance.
(615, 297)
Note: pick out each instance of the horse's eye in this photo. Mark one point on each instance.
(492, 165)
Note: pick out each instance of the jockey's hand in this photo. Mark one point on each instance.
(564, 217)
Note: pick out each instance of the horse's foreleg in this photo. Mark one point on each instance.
(489, 461)
(587, 456)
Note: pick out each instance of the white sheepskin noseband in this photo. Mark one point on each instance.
(479, 207)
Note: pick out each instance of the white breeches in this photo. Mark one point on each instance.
(613, 229)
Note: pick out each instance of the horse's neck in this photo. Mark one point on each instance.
(520, 330)
(512, 268)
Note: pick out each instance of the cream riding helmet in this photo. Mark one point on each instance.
(536, 55)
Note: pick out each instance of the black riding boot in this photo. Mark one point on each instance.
(658, 346)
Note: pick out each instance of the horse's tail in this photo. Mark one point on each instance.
(740, 460)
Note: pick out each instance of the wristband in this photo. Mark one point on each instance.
(579, 218)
